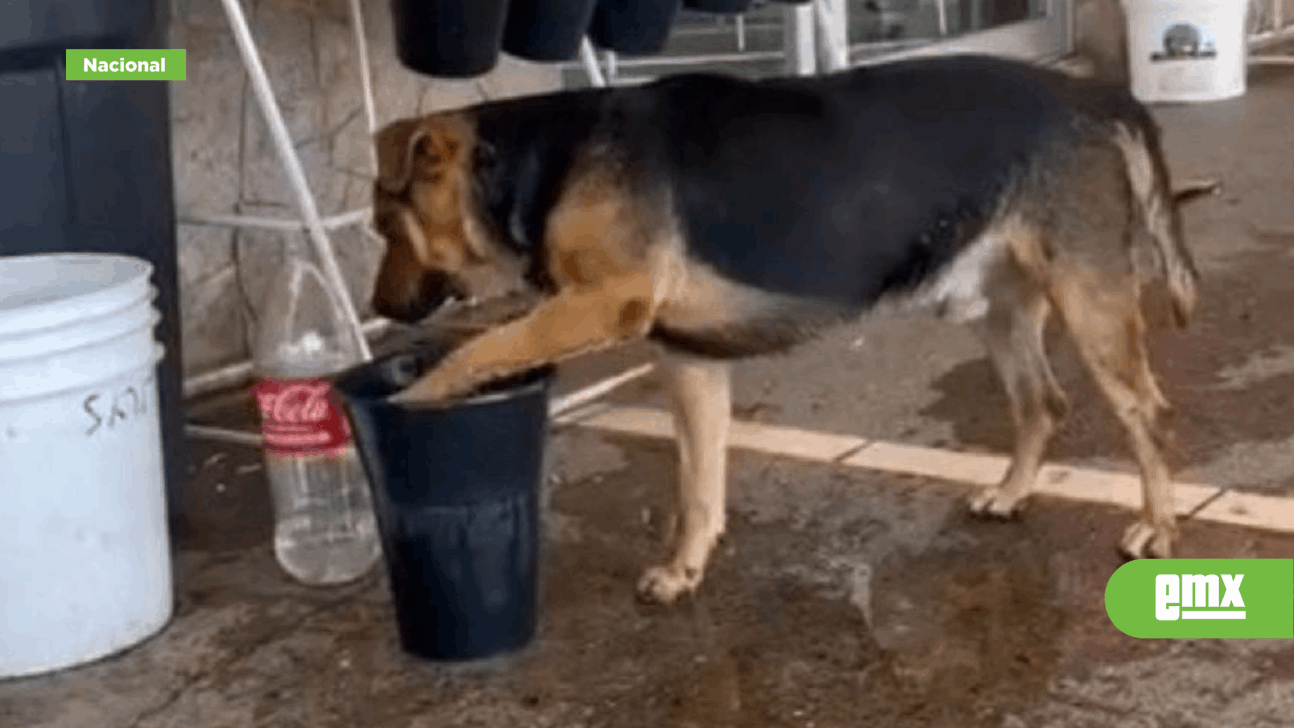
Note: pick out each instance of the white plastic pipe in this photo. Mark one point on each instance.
(656, 61)
(833, 33)
(235, 374)
(272, 223)
(556, 408)
(365, 79)
(562, 405)
(798, 39)
(590, 61)
(613, 69)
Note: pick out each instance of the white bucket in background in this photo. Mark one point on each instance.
(1187, 50)
(85, 567)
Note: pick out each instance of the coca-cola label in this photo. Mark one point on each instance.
(301, 417)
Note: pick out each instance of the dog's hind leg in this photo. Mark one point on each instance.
(1013, 333)
(701, 398)
(1103, 316)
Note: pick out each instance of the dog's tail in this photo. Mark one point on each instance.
(1148, 177)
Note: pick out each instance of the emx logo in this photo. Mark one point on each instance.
(1198, 596)
(1203, 598)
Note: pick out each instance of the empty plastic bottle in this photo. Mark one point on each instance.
(325, 531)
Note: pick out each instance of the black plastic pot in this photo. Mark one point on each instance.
(451, 38)
(547, 30)
(457, 493)
(728, 7)
(633, 27)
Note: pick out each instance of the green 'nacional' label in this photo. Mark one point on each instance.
(150, 64)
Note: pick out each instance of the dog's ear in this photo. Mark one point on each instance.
(414, 148)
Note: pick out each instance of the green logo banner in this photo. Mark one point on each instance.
(161, 64)
(1203, 598)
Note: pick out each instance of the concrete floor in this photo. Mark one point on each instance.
(841, 597)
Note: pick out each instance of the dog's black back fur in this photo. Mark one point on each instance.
(922, 152)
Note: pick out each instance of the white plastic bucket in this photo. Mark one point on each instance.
(1186, 50)
(85, 567)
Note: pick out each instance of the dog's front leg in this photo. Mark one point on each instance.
(701, 398)
(574, 322)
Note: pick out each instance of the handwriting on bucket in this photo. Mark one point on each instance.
(108, 408)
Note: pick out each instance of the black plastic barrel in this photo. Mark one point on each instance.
(633, 27)
(547, 30)
(457, 492)
(85, 166)
(450, 38)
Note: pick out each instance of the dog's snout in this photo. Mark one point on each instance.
(435, 289)
(417, 301)
(387, 308)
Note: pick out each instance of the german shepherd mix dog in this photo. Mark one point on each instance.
(727, 218)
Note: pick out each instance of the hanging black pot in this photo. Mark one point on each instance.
(633, 27)
(727, 7)
(454, 38)
(547, 30)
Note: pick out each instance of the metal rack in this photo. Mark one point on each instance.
(815, 36)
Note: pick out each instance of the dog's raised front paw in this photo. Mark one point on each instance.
(433, 387)
(666, 584)
(996, 503)
(1145, 540)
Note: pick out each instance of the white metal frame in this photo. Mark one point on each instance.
(1036, 39)
(816, 38)
(311, 221)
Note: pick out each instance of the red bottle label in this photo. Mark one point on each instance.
(301, 417)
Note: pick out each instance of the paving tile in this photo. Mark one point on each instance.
(1061, 481)
(632, 421)
(914, 460)
(792, 442)
(1120, 489)
(768, 439)
(1251, 509)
